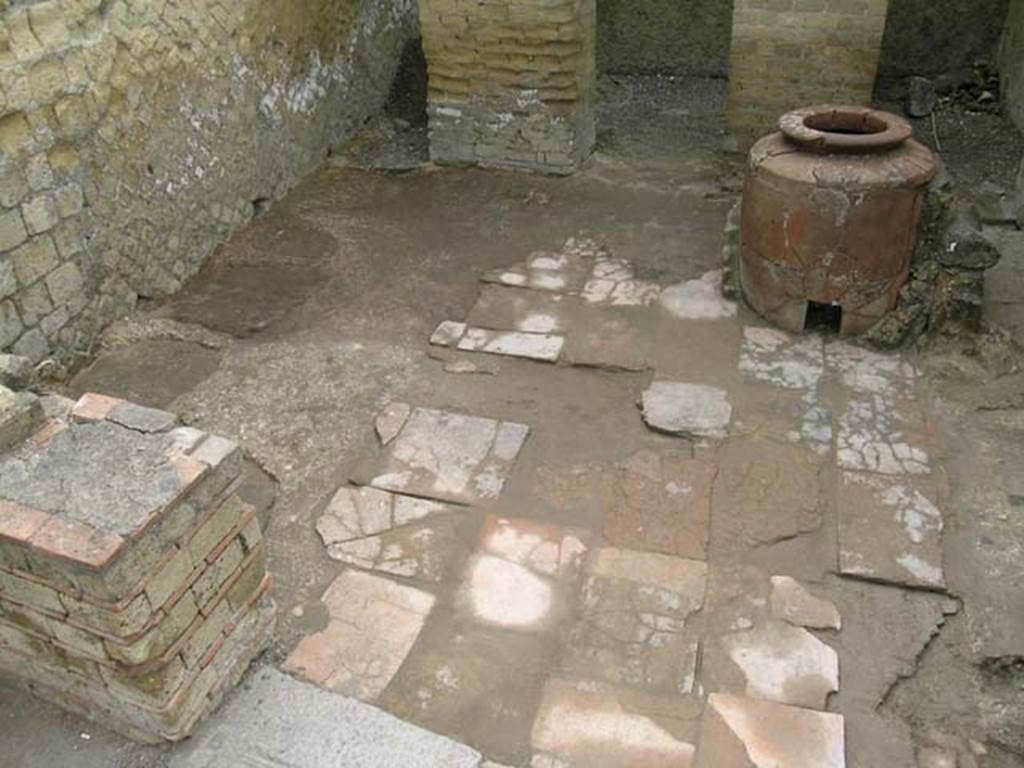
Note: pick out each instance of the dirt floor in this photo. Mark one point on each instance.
(317, 315)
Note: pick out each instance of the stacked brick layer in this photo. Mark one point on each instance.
(139, 608)
(511, 83)
(788, 54)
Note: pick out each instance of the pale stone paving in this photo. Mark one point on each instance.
(676, 626)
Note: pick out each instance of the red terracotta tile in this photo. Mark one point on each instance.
(93, 407)
(77, 542)
(18, 522)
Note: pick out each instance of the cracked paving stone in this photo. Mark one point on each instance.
(660, 503)
(737, 732)
(447, 456)
(686, 409)
(883, 427)
(382, 531)
(885, 631)
(792, 602)
(877, 434)
(583, 724)
(889, 531)
(747, 651)
(765, 492)
(390, 420)
(699, 299)
(372, 625)
(512, 309)
(523, 575)
(633, 627)
(544, 347)
(777, 662)
(778, 358)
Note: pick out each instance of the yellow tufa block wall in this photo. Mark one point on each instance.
(795, 53)
(512, 82)
(136, 134)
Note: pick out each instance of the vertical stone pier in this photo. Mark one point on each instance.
(788, 54)
(512, 82)
(133, 588)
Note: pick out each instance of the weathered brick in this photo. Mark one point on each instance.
(169, 579)
(218, 572)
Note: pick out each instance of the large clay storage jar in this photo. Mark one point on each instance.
(830, 214)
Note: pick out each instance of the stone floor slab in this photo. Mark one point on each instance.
(400, 535)
(479, 684)
(699, 299)
(660, 503)
(372, 625)
(781, 359)
(523, 575)
(687, 409)
(447, 456)
(608, 337)
(792, 602)
(278, 721)
(765, 492)
(744, 733)
(634, 627)
(583, 724)
(889, 531)
(512, 309)
(777, 662)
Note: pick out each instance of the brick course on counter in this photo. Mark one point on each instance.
(133, 587)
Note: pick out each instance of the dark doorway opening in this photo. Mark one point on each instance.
(823, 318)
(408, 98)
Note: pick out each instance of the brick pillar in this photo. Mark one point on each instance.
(512, 82)
(795, 53)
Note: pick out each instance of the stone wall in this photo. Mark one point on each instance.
(673, 37)
(137, 134)
(1011, 63)
(511, 82)
(792, 53)
(936, 37)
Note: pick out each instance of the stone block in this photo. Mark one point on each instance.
(20, 412)
(40, 214)
(12, 231)
(34, 259)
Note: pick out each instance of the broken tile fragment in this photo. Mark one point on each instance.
(687, 409)
(699, 299)
(378, 530)
(737, 732)
(372, 625)
(522, 574)
(545, 347)
(889, 531)
(447, 456)
(389, 422)
(782, 663)
(448, 333)
(781, 359)
(792, 602)
(633, 627)
(581, 724)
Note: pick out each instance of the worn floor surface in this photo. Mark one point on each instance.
(673, 537)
